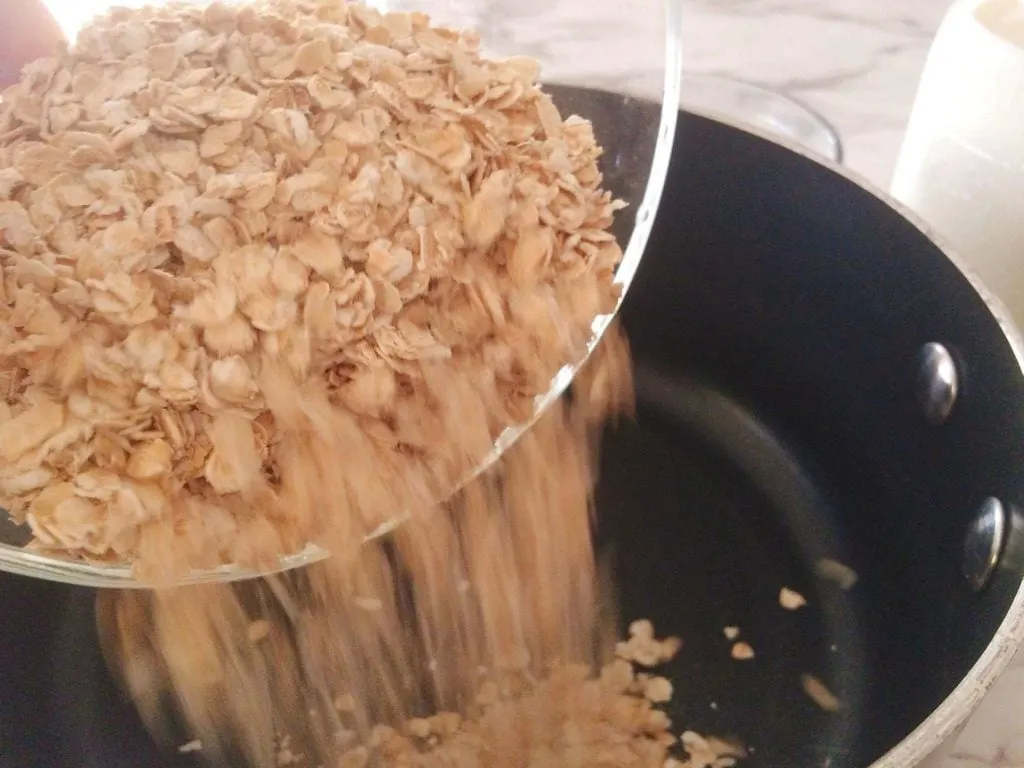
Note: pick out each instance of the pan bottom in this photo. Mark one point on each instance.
(708, 515)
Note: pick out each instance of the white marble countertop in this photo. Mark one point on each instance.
(858, 63)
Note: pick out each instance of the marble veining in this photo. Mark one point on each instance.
(858, 63)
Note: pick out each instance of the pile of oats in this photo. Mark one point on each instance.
(571, 717)
(615, 718)
(273, 272)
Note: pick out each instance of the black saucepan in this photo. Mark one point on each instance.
(786, 415)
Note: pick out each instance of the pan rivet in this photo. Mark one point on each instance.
(937, 383)
(985, 543)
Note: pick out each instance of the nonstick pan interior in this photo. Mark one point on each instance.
(709, 514)
(775, 324)
(778, 320)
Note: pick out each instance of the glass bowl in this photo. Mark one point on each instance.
(771, 113)
(616, 63)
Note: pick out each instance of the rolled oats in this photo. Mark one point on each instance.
(791, 600)
(839, 573)
(273, 272)
(742, 651)
(820, 694)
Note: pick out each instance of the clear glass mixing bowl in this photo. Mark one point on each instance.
(769, 112)
(614, 62)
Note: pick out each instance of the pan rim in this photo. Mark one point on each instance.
(947, 720)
